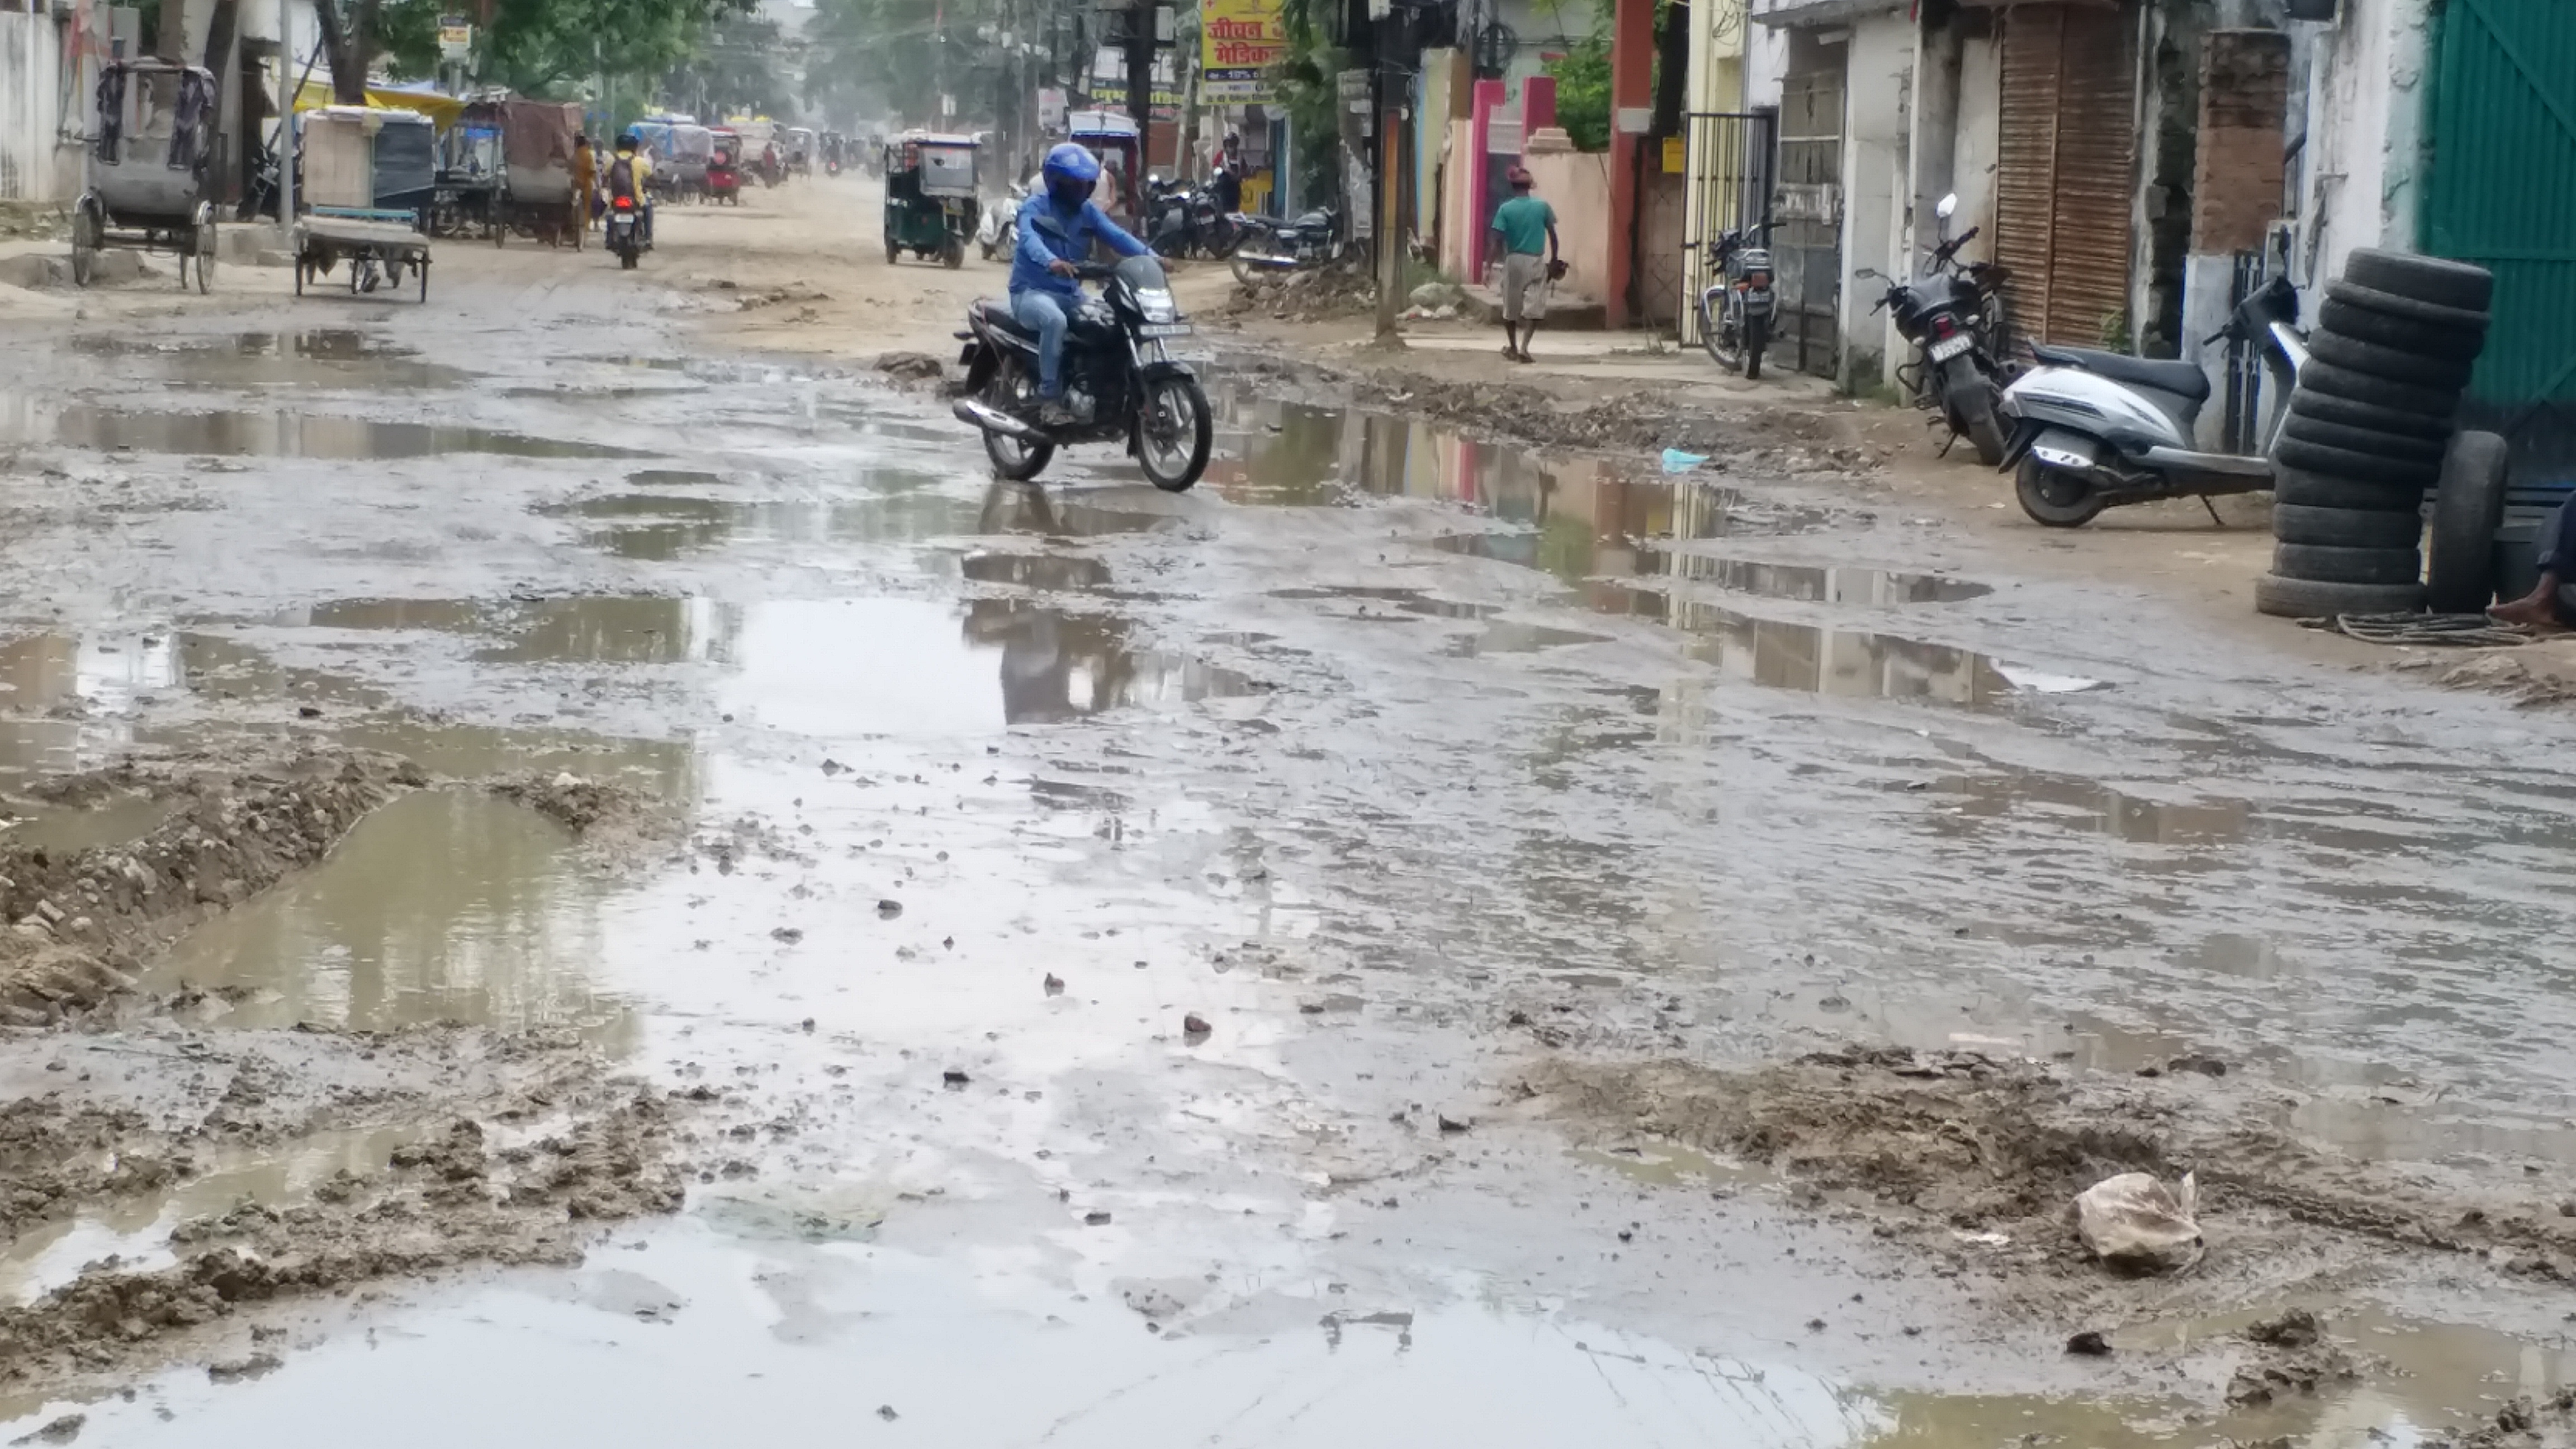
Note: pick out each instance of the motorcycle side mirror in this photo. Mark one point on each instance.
(1947, 207)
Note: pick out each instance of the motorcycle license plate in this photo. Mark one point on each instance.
(1164, 329)
(1949, 347)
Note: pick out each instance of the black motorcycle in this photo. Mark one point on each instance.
(1269, 245)
(626, 232)
(1735, 311)
(1183, 221)
(1121, 383)
(1953, 314)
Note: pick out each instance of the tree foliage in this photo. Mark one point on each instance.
(550, 49)
(902, 55)
(739, 66)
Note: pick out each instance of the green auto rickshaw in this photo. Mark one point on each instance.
(930, 206)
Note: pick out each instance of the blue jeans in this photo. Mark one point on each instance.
(1045, 314)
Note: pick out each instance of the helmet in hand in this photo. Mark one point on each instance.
(1071, 171)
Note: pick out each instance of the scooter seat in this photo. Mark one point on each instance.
(2184, 379)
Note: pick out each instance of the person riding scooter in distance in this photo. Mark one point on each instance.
(1056, 229)
(627, 176)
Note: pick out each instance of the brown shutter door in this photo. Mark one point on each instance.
(2097, 161)
(2026, 162)
(2066, 168)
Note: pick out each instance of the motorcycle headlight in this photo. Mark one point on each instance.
(1157, 305)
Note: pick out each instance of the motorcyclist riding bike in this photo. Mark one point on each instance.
(1056, 229)
(627, 177)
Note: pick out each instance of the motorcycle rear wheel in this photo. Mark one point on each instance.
(1757, 333)
(1972, 407)
(1014, 461)
(1174, 428)
(1723, 350)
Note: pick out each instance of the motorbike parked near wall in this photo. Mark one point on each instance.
(1183, 221)
(1269, 245)
(1736, 310)
(1121, 382)
(2094, 430)
(1952, 314)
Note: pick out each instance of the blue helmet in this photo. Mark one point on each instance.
(1070, 173)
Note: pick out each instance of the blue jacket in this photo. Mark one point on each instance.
(1047, 233)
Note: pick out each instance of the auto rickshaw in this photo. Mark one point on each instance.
(724, 167)
(930, 206)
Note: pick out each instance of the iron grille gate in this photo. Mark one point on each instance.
(1728, 166)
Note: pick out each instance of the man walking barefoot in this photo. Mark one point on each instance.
(1522, 223)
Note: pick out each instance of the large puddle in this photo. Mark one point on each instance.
(29, 420)
(342, 359)
(444, 906)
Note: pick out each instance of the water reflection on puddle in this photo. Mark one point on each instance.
(445, 905)
(1806, 583)
(337, 358)
(279, 433)
(900, 507)
(1837, 662)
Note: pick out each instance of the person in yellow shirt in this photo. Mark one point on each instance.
(585, 186)
(628, 176)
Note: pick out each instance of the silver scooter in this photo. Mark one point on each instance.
(2095, 430)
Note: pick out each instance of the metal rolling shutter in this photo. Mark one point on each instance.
(2066, 168)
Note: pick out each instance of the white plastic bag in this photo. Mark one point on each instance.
(2136, 1223)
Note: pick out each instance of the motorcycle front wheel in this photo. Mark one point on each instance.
(1971, 399)
(1723, 348)
(1174, 427)
(1010, 391)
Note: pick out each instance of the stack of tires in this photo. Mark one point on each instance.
(2366, 431)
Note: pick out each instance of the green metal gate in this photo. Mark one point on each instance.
(2502, 193)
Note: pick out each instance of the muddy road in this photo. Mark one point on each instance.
(582, 873)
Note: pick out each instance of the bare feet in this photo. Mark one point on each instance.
(2535, 612)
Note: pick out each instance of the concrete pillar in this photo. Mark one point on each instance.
(2236, 189)
(1632, 99)
(1488, 99)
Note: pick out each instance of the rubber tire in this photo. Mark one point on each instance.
(2437, 280)
(1710, 322)
(894, 254)
(1972, 397)
(2468, 506)
(2360, 440)
(2310, 599)
(2301, 489)
(1757, 335)
(2380, 392)
(2046, 511)
(2344, 412)
(2389, 362)
(2389, 304)
(2425, 339)
(2360, 467)
(2320, 563)
(953, 255)
(2346, 527)
(1203, 436)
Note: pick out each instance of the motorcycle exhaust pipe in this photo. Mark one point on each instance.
(994, 420)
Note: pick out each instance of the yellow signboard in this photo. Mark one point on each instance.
(1240, 41)
(1673, 163)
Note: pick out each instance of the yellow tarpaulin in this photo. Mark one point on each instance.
(441, 110)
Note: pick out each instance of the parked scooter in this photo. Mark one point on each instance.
(993, 235)
(1735, 311)
(2094, 430)
(1949, 314)
(1121, 383)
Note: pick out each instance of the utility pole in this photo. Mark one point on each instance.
(1394, 177)
(1140, 76)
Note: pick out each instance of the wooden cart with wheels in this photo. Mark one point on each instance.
(342, 223)
(377, 245)
(147, 180)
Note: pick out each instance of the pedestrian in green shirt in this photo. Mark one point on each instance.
(1523, 222)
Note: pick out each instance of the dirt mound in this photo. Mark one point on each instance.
(2526, 1423)
(53, 1154)
(444, 1203)
(1962, 1143)
(79, 920)
(604, 813)
(1316, 294)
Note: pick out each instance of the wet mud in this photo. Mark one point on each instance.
(1446, 931)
